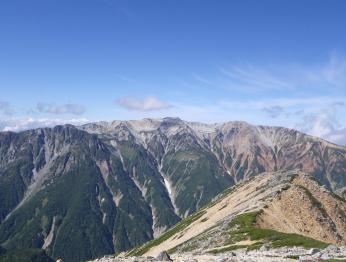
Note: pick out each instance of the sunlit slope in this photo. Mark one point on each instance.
(276, 209)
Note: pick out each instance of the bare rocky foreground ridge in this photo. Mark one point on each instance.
(275, 209)
(280, 216)
(263, 255)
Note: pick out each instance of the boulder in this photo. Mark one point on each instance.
(163, 256)
(313, 251)
(332, 248)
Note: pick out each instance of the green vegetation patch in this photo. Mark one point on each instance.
(176, 229)
(227, 249)
(296, 257)
(243, 227)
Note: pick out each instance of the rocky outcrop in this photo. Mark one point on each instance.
(241, 255)
(279, 209)
(163, 256)
(307, 208)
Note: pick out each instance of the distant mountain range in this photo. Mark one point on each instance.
(79, 192)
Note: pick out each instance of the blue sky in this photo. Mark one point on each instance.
(266, 62)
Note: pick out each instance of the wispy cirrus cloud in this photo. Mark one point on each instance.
(285, 102)
(252, 78)
(271, 80)
(201, 79)
(150, 103)
(73, 109)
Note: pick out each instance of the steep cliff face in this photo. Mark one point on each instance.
(109, 186)
(308, 209)
(175, 155)
(246, 150)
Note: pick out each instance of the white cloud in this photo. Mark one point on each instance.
(73, 109)
(19, 124)
(324, 124)
(150, 103)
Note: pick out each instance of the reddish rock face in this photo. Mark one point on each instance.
(241, 149)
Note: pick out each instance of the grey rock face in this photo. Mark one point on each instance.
(313, 251)
(163, 256)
